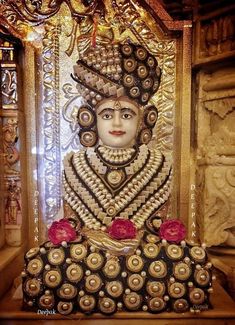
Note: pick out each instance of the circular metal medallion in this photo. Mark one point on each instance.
(174, 251)
(65, 307)
(46, 301)
(182, 271)
(197, 296)
(152, 238)
(67, 291)
(156, 288)
(35, 266)
(56, 256)
(32, 252)
(32, 287)
(74, 272)
(95, 261)
(114, 177)
(180, 305)
(52, 278)
(202, 277)
(158, 269)
(87, 303)
(151, 250)
(114, 288)
(156, 304)
(135, 282)
(78, 252)
(107, 305)
(111, 210)
(176, 290)
(198, 253)
(134, 263)
(93, 283)
(111, 268)
(132, 301)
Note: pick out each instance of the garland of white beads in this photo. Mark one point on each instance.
(116, 156)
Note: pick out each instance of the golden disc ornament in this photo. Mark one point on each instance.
(52, 278)
(158, 269)
(56, 256)
(35, 266)
(78, 252)
(155, 288)
(74, 272)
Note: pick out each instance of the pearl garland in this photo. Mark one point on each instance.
(116, 156)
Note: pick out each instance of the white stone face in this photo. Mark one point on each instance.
(117, 122)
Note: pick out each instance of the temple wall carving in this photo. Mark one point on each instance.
(216, 156)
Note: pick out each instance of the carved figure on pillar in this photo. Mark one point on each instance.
(13, 207)
(10, 151)
(114, 250)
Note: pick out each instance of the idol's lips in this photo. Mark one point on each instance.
(117, 132)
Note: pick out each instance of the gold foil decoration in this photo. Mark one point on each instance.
(176, 290)
(103, 241)
(107, 305)
(134, 263)
(155, 288)
(152, 238)
(174, 252)
(158, 269)
(32, 252)
(151, 250)
(156, 304)
(112, 268)
(67, 291)
(56, 256)
(74, 272)
(114, 288)
(65, 307)
(182, 271)
(35, 266)
(198, 253)
(46, 301)
(202, 277)
(32, 287)
(135, 282)
(93, 283)
(78, 252)
(52, 278)
(180, 305)
(95, 261)
(114, 177)
(197, 296)
(87, 303)
(132, 300)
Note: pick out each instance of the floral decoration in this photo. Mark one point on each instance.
(122, 229)
(60, 231)
(172, 230)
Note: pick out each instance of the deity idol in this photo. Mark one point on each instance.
(108, 253)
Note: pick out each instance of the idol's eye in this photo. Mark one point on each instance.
(127, 116)
(106, 116)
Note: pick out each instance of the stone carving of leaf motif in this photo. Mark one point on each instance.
(221, 107)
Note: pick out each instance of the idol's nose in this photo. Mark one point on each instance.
(117, 122)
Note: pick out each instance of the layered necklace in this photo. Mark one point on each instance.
(103, 184)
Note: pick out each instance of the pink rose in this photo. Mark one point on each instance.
(122, 229)
(61, 231)
(173, 230)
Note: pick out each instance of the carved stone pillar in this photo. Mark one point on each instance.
(216, 159)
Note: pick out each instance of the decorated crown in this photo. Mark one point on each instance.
(117, 70)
